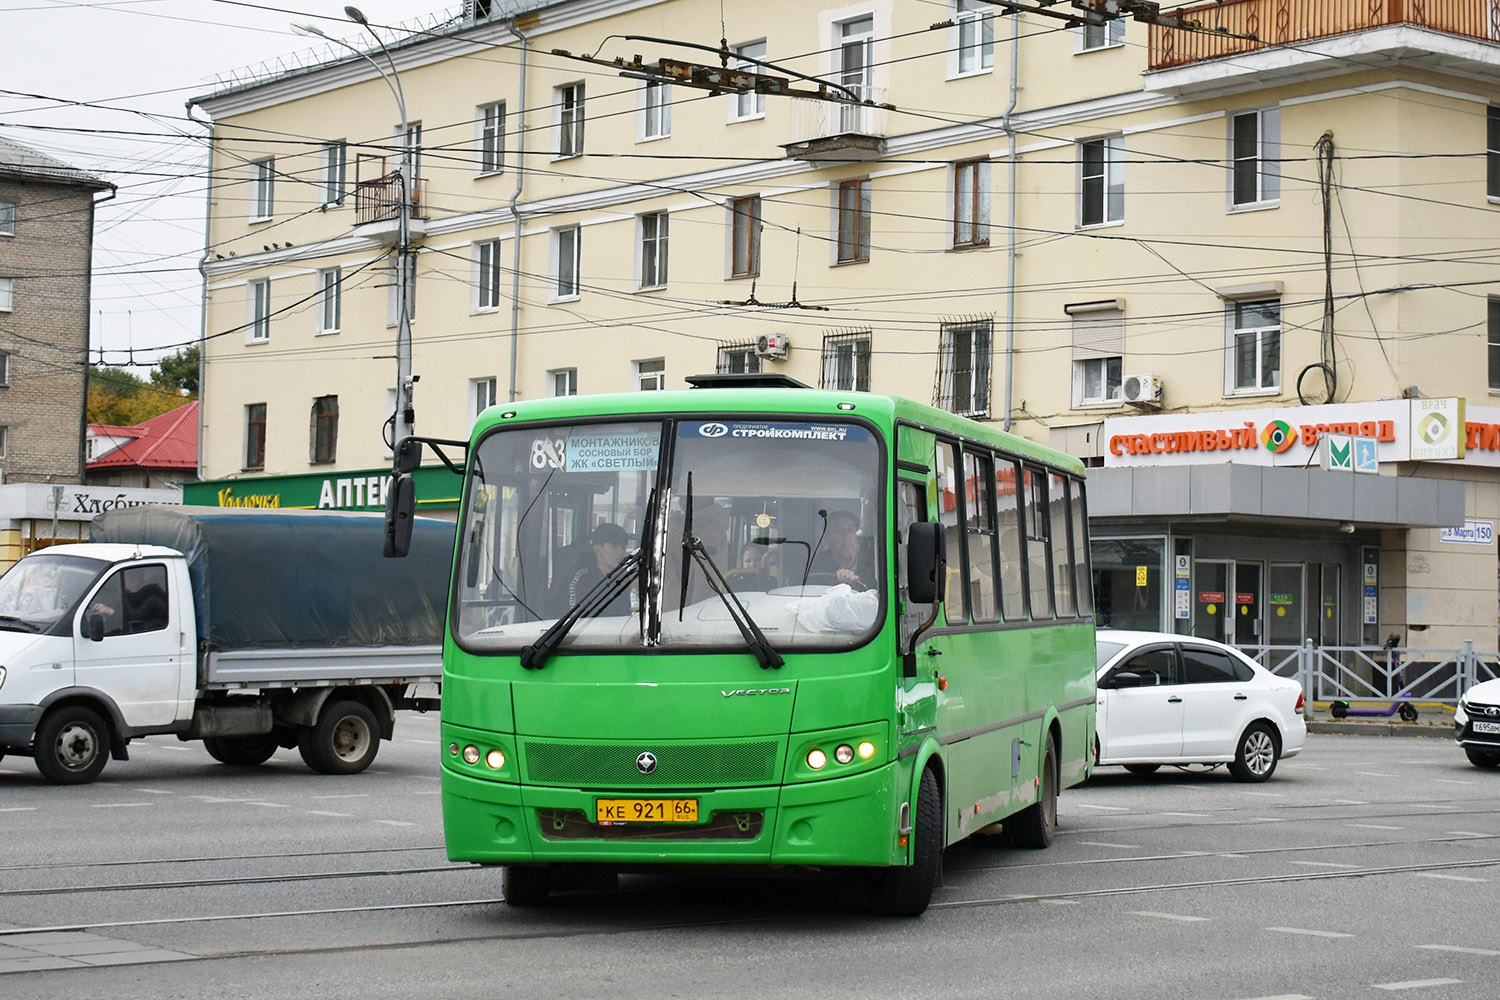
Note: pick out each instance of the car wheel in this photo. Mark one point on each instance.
(1255, 760)
(72, 745)
(1142, 768)
(1483, 758)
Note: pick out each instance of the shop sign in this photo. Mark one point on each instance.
(1211, 596)
(1281, 598)
(1437, 429)
(1244, 598)
(1371, 609)
(1183, 593)
(1140, 576)
(355, 490)
(1345, 453)
(1469, 533)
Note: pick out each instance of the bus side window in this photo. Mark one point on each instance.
(1008, 508)
(1085, 586)
(979, 531)
(911, 507)
(950, 511)
(1062, 553)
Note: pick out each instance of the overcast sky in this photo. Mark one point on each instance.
(136, 63)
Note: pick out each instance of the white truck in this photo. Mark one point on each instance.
(250, 630)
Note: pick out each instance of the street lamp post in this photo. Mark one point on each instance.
(404, 417)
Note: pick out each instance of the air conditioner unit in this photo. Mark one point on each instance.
(1142, 390)
(772, 345)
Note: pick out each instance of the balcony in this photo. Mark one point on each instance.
(829, 130)
(377, 208)
(1307, 39)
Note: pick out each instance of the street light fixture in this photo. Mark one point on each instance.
(404, 416)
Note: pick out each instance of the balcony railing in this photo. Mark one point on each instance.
(828, 127)
(1286, 22)
(379, 200)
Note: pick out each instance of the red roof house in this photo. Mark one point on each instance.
(159, 452)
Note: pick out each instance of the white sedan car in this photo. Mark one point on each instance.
(1173, 699)
(1476, 724)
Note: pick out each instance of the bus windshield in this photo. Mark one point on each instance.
(782, 513)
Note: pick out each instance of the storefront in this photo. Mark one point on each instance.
(35, 515)
(1341, 524)
(438, 491)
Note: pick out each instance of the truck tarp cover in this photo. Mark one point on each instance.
(267, 579)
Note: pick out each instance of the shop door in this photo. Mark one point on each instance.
(1284, 601)
(1246, 627)
(1210, 612)
(1329, 633)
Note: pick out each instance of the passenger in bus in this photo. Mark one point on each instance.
(750, 574)
(843, 557)
(608, 542)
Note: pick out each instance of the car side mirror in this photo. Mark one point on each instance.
(1125, 679)
(400, 506)
(408, 456)
(93, 627)
(926, 562)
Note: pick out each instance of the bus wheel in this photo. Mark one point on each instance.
(1034, 825)
(906, 891)
(241, 751)
(526, 885)
(72, 745)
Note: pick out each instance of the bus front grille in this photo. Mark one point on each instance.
(570, 824)
(677, 765)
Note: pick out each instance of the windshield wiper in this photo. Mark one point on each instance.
(692, 547)
(6, 620)
(596, 599)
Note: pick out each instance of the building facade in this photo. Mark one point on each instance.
(1075, 231)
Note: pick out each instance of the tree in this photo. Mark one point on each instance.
(122, 398)
(178, 372)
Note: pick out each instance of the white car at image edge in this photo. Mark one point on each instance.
(1476, 724)
(1174, 699)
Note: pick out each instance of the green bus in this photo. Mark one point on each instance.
(752, 623)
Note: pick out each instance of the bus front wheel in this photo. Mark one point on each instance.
(526, 885)
(906, 891)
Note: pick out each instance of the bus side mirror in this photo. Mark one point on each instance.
(408, 456)
(926, 561)
(400, 505)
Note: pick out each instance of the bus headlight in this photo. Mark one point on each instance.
(844, 753)
(866, 750)
(471, 754)
(495, 759)
(816, 759)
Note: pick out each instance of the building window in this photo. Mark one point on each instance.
(853, 53)
(565, 262)
(853, 221)
(481, 395)
(846, 362)
(335, 166)
(743, 107)
(255, 436)
(4, 440)
(568, 102)
(964, 368)
(7, 218)
(1101, 36)
(325, 429)
(394, 286)
(976, 36)
(1255, 345)
(1098, 380)
(654, 118)
(650, 375)
(329, 305)
(262, 188)
(563, 382)
(971, 204)
(259, 330)
(413, 151)
(7, 295)
(491, 121)
(1255, 158)
(653, 250)
(1101, 187)
(744, 237)
(1492, 158)
(1098, 351)
(738, 359)
(486, 276)
(1494, 344)
(4, 368)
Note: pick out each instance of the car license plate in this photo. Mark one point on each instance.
(612, 812)
(1486, 727)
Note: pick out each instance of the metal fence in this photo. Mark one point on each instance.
(1379, 673)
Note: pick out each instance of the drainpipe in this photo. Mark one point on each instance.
(515, 275)
(1010, 256)
(208, 213)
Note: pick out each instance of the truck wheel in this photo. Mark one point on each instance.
(72, 745)
(344, 740)
(241, 751)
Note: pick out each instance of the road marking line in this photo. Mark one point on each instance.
(151, 791)
(17, 809)
(1090, 805)
(1461, 951)
(1414, 984)
(1452, 878)
(1101, 843)
(1188, 815)
(323, 812)
(1165, 916)
(267, 805)
(1264, 819)
(1375, 826)
(1059, 902)
(180, 749)
(394, 822)
(1285, 996)
(1451, 781)
(1323, 864)
(1307, 933)
(425, 743)
(1375, 774)
(118, 805)
(1350, 802)
(346, 795)
(1268, 795)
(1467, 833)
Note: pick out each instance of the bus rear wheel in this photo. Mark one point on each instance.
(906, 891)
(1034, 826)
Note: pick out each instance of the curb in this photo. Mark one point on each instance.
(1381, 729)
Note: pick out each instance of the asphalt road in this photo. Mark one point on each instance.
(1366, 867)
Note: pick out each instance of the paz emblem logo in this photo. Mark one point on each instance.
(1433, 428)
(646, 762)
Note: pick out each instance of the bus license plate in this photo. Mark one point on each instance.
(612, 812)
(1486, 727)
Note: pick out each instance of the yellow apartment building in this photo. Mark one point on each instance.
(1209, 261)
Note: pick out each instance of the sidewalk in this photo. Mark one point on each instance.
(1433, 721)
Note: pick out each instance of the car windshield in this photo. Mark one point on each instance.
(43, 589)
(1105, 651)
(782, 513)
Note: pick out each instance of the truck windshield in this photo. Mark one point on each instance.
(786, 510)
(42, 590)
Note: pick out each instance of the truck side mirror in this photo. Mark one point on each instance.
(926, 561)
(93, 627)
(400, 505)
(408, 456)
